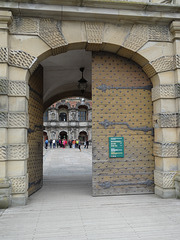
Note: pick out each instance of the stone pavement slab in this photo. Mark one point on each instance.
(65, 210)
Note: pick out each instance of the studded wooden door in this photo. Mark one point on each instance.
(122, 107)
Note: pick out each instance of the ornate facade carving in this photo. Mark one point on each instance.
(159, 33)
(94, 32)
(50, 32)
(19, 184)
(3, 152)
(3, 119)
(18, 88)
(17, 120)
(137, 37)
(164, 179)
(165, 149)
(163, 91)
(17, 152)
(163, 64)
(3, 86)
(13, 88)
(140, 34)
(21, 59)
(3, 54)
(166, 91)
(24, 26)
(166, 120)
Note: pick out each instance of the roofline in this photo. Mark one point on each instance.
(91, 10)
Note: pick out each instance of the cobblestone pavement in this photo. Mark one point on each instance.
(65, 210)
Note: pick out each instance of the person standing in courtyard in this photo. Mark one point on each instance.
(50, 143)
(57, 143)
(46, 144)
(79, 144)
(54, 143)
(87, 144)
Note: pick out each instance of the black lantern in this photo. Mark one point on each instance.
(82, 83)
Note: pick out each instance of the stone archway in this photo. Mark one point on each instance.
(21, 53)
(63, 135)
(83, 137)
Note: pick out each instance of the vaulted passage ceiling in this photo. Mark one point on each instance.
(61, 74)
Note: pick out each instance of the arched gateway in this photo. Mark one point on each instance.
(127, 58)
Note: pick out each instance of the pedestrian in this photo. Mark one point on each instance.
(54, 143)
(60, 143)
(70, 143)
(87, 144)
(79, 144)
(64, 143)
(84, 144)
(50, 142)
(73, 143)
(57, 143)
(76, 143)
(46, 144)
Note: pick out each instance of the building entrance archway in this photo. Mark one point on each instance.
(83, 137)
(63, 135)
(23, 84)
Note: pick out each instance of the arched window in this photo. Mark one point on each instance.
(82, 115)
(63, 117)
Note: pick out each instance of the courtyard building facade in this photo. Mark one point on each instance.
(69, 119)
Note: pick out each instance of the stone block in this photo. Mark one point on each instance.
(73, 32)
(3, 152)
(165, 149)
(19, 199)
(18, 104)
(164, 106)
(3, 134)
(163, 179)
(177, 75)
(166, 164)
(18, 151)
(18, 74)
(19, 184)
(31, 44)
(5, 192)
(4, 70)
(177, 185)
(16, 168)
(165, 193)
(165, 135)
(16, 136)
(115, 34)
(4, 38)
(3, 103)
(154, 50)
(176, 46)
(2, 169)
(5, 202)
(178, 164)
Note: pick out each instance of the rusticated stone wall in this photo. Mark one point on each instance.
(122, 107)
(35, 133)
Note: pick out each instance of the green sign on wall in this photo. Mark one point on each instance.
(116, 147)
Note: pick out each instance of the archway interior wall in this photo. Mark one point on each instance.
(35, 133)
(122, 107)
